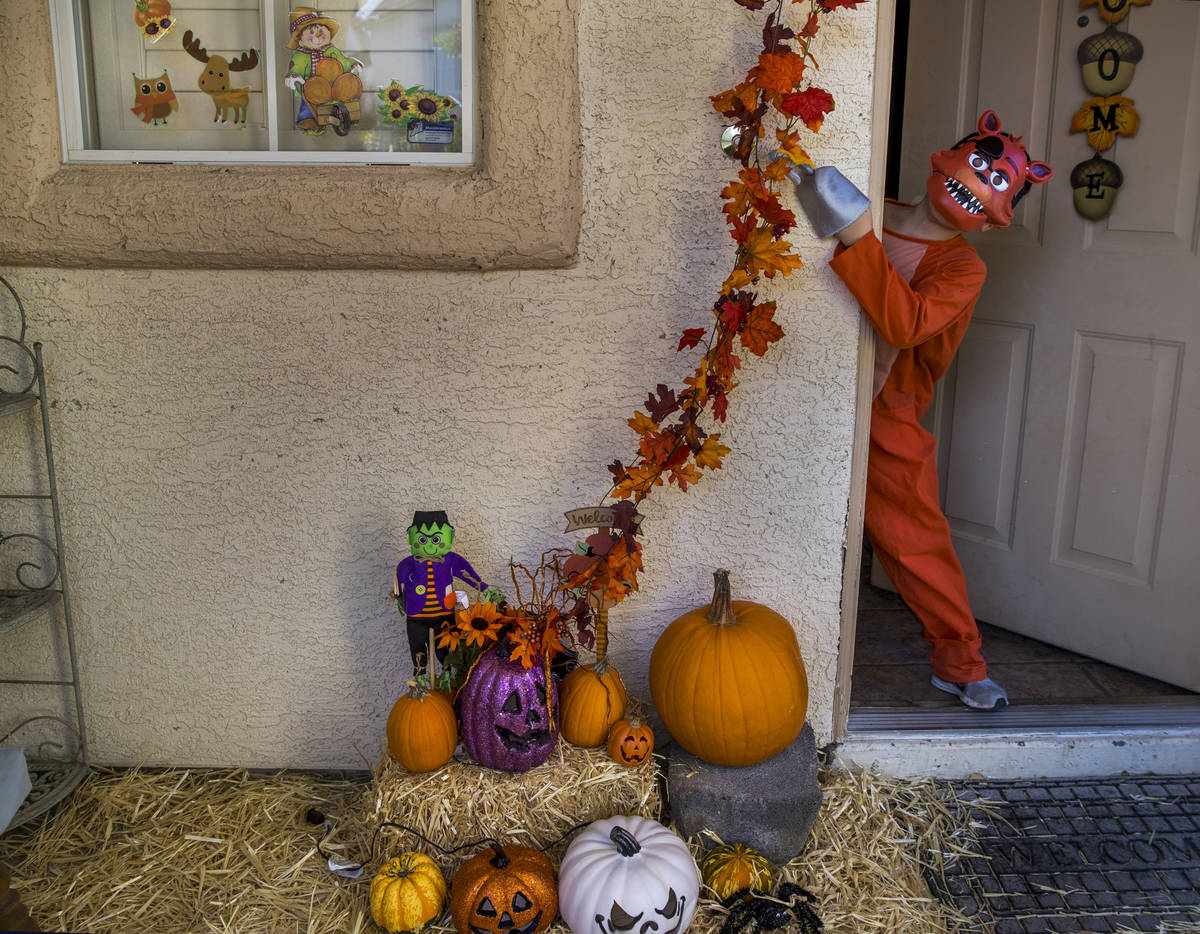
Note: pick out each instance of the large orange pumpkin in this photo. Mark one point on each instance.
(728, 681)
(591, 699)
(422, 730)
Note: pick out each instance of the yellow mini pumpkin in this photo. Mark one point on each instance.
(591, 700)
(732, 867)
(408, 893)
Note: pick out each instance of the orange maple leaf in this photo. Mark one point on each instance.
(761, 329)
(738, 279)
(642, 423)
(764, 254)
(711, 452)
(778, 72)
(744, 93)
(637, 482)
(789, 145)
(685, 474)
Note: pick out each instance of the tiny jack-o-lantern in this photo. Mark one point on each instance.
(504, 890)
(1094, 183)
(509, 721)
(1108, 60)
(630, 741)
(407, 893)
(628, 875)
(731, 867)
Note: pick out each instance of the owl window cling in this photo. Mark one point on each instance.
(324, 79)
(154, 99)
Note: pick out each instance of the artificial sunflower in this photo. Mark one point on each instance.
(479, 624)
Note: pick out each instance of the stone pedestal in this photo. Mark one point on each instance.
(771, 806)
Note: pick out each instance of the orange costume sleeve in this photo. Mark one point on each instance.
(923, 316)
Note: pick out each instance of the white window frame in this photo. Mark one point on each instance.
(70, 75)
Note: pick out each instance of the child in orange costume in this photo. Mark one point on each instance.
(918, 287)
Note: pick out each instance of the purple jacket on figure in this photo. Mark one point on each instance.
(422, 585)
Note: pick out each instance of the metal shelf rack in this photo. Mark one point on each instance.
(41, 596)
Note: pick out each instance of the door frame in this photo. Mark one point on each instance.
(1131, 739)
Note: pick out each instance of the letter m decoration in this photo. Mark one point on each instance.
(1104, 120)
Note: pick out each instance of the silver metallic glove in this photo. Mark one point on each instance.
(830, 201)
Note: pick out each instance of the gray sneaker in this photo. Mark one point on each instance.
(980, 695)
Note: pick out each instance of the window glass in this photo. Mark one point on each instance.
(354, 81)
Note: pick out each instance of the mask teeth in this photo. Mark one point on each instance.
(962, 194)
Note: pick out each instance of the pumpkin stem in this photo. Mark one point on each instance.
(602, 633)
(625, 842)
(720, 613)
(500, 860)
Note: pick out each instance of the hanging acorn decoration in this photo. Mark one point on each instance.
(1108, 60)
(1095, 183)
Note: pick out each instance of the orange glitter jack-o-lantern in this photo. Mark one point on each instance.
(504, 890)
(630, 741)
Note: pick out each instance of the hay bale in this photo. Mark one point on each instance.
(183, 852)
(464, 802)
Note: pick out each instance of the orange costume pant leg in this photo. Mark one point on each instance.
(911, 539)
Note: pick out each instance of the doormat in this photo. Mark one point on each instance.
(1107, 854)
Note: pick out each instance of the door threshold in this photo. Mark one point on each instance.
(1165, 712)
(1053, 741)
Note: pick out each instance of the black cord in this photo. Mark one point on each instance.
(313, 816)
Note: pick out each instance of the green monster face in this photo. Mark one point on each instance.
(430, 541)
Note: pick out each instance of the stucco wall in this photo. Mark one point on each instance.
(240, 452)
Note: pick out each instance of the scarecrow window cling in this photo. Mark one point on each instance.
(324, 79)
(918, 286)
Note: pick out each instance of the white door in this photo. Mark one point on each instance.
(1069, 428)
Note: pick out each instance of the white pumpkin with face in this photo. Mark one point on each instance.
(628, 875)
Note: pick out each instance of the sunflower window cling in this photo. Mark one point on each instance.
(424, 115)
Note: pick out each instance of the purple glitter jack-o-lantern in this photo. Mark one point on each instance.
(505, 722)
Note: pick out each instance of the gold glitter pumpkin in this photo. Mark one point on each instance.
(732, 867)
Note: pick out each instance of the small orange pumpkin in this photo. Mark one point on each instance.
(422, 730)
(502, 890)
(630, 741)
(591, 699)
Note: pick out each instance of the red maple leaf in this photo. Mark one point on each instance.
(761, 329)
(720, 404)
(751, 4)
(828, 6)
(811, 27)
(662, 406)
(810, 105)
(740, 228)
(691, 338)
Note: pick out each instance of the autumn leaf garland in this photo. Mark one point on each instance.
(673, 448)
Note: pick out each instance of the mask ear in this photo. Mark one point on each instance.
(989, 123)
(1038, 172)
